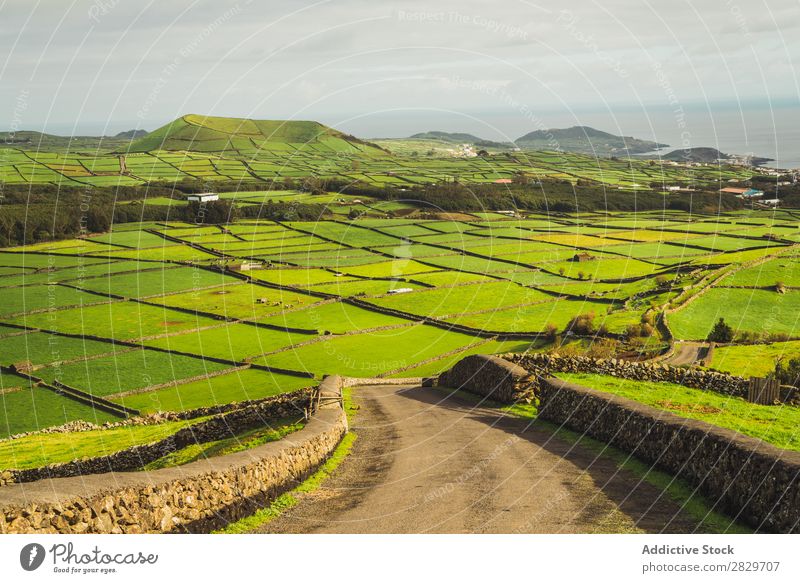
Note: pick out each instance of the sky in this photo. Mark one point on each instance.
(387, 68)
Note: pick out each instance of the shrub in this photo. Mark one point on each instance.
(602, 348)
(582, 324)
(788, 374)
(721, 332)
(550, 332)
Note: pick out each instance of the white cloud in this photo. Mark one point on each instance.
(98, 61)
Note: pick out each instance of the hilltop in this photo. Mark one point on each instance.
(459, 138)
(585, 140)
(132, 134)
(43, 142)
(201, 133)
(711, 155)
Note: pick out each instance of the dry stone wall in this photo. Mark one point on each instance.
(134, 458)
(542, 365)
(749, 479)
(196, 497)
(491, 377)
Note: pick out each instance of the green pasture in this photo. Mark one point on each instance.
(24, 408)
(118, 320)
(452, 301)
(33, 298)
(369, 354)
(242, 301)
(34, 451)
(128, 371)
(156, 282)
(235, 342)
(233, 387)
(334, 318)
(42, 348)
(753, 359)
(745, 310)
(774, 424)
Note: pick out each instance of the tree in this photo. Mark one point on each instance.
(788, 374)
(721, 332)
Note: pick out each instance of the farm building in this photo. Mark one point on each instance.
(743, 192)
(582, 257)
(770, 201)
(400, 290)
(203, 197)
(246, 266)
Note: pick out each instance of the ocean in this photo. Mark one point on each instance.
(758, 129)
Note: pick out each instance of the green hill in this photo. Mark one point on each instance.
(222, 134)
(459, 138)
(585, 140)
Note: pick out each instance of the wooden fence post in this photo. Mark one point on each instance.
(763, 391)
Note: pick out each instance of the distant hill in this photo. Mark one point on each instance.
(586, 140)
(132, 134)
(33, 140)
(710, 155)
(218, 134)
(696, 155)
(460, 138)
(27, 137)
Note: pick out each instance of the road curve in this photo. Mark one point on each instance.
(428, 461)
(687, 353)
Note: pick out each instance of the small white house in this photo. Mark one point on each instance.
(400, 290)
(203, 197)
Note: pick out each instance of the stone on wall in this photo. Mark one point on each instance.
(491, 377)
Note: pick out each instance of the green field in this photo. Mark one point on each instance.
(218, 149)
(776, 425)
(191, 326)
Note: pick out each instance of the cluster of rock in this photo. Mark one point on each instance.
(219, 426)
(543, 365)
(746, 477)
(491, 377)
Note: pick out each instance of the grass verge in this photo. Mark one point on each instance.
(244, 441)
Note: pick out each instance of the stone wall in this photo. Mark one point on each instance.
(196, 497)
(491, 377)
(543, 364)
(135, 458)
(749, 479)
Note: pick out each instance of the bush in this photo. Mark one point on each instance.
(551, 332)
(582, 324)
(721, 332)
(788, 374)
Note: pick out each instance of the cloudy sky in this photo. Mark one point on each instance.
(390, 68)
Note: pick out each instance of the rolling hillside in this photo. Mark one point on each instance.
(585, 140)
(199, 133)
(460, 138)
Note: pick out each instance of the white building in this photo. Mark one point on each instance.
(203, 197)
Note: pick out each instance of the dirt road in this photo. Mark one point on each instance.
(427, 461)
(687, 353)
